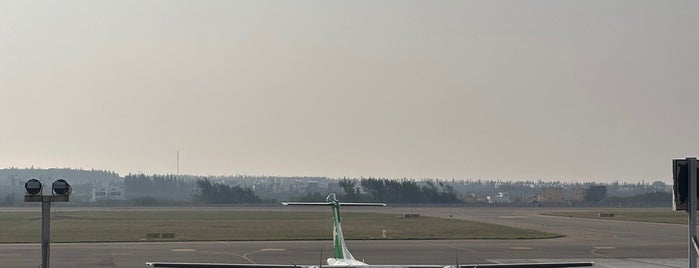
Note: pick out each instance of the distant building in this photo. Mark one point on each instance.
(552, 194)
(534, 198)
(578, 194)
(596, 193)
(500, 198)
(100, 193)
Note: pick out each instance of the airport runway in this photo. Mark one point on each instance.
(608, 243)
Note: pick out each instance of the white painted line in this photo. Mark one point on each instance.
(183, 250)
(604, 247)
(520, 248)
(272, 249)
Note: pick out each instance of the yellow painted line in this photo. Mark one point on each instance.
(520, 248)
(183, 250)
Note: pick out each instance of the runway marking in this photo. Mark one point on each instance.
(432, 243)
(604, 247)
(513, 217)
(183, 250)
(595, 249)
(520, 248)
(245, 256)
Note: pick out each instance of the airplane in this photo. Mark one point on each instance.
(344, 259)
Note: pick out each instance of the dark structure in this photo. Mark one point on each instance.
(596, 193)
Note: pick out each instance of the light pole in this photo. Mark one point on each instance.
(61, 192)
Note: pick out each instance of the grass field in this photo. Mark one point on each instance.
(660, 216)
(95, 226)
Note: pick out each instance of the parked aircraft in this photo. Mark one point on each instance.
(343, 258)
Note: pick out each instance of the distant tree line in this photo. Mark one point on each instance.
(219, 193)
(392, 191)
(157, 186)
(657, 197)
(140, 189)
(8, 200)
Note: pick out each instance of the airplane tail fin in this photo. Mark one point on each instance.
(341, 251)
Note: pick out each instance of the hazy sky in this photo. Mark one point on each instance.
(554, 90)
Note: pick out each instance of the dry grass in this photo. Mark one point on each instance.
(659, 216)
(94, 226)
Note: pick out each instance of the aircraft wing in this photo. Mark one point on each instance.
(497, 265)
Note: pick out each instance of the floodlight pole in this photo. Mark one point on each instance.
(46, 201)
(693, 247)
(45, 233)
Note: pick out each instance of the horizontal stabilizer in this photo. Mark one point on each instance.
(330, 204)
(307, 203)
(531, 265)
(217, 265)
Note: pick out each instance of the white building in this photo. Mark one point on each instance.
(107, 193)
(500, 198)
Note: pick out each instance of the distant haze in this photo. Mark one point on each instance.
(553, 90)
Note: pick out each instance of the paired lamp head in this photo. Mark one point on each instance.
(60, 187)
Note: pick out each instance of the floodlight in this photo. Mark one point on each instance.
(680, 172)
(61, 187)
(33, 186)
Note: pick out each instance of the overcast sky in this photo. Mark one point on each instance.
(553, 90)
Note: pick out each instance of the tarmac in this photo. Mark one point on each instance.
(607, 243)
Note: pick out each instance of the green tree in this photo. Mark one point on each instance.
(352, 194)
(219, 193)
